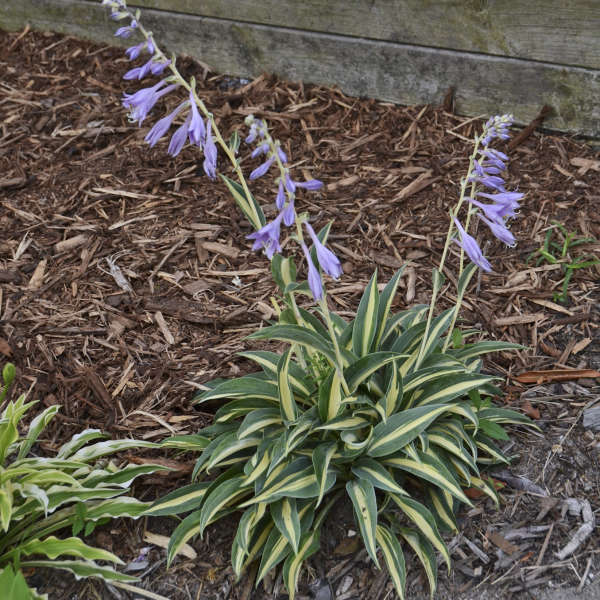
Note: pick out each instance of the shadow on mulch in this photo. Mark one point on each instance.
(81, 191)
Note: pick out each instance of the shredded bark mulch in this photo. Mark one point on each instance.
(126, 281)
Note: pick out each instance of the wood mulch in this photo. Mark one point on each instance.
(126, 281)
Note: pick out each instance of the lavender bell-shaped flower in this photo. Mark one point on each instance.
(268, 237)
(210, 153)
(179, 137)
(471, 247)
(280, 198)
(328, 261)
(161, 127)
(500, 230)
(289, 213)
(141, 103)
(196, 131)
(314, 278)
(262, 169)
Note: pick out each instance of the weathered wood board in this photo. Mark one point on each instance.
(386, 70)
(559, 31)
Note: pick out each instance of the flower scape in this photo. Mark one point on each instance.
(390, 410)
(389, 413)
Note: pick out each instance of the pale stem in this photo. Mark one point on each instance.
(338, 354)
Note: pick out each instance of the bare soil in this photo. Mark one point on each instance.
(80, 190)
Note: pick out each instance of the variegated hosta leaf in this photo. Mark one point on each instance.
(189, 443)
(365, 323)
(330, 397)
(374, 472)
(393, 394)
(424, 550)
(394, 558)
(6, 505)
(358, 372)
(277, 548)
(283, 270)
(188, 528)
(430, 469)
(450, 387)
(438, 327)
(441, 504)
(362, 494)
(72, 546)
(257, 421)
(345, 422)
(269, 361)
(401, 428)
(226, 493)
(485, 347)
(424, 521)
(321, 458)
(287, 402)
(38, 424)
(487, 445)
(504, 415)
(99, 449)
(385, 305)
(487, 488)
(244, 387)
(183, 499)
(14, 586)
(309, 544)
(294, 334)
(287, 521)
(80, 568)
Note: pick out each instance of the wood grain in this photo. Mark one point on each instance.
(391, 71)
(558, 31)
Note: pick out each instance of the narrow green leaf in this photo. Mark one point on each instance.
(394, 558)
(362, 494)
(248, 205)
(376, 473)
(424, 551)
(287, 521)
(321, 458)
(183, 499)
(287, 403)
(80, 569)
(359, 371)
(365, 323)
(330, 397)
(385, 305)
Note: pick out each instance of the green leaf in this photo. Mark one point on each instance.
(183, 499)
(80, 569)
(362, 494)
(492, 429)
(99, 449)
(393, 394)
(229, 446)
(14, 586)
(258, 420)
(248, 205)
(424, 550)
(187, 529)
(287, 403)
(234, 142)
(36, 427)
(189, 443)
(221, 496)
(394, 558)
(294, 334)
(448, 388)
(330, 397)
(430, 469)
(385, 305)
(359, 371)
(247, 387)
(401, 428)
(269, 361)
(321, 457)
(346, 422)
(78, 441)
(365, 323)
(441, 504)
(374, 472)
(53, 547)
(424, 521)
(283, 270)
(478, 348)
(309, 544)
(277, 547)
(287, 521)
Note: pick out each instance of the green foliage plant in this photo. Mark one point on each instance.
(559, 248)
(77, 489)
(389, 410)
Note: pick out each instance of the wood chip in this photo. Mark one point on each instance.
(35, 283)
(501, 542)
(163, 542)
(162, 325)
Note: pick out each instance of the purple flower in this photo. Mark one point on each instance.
(124, 32)
(494, 212)
(262, 169)
(492, 181)
(179, 137)
(311, 185)
(471, 247)
(268, 237)
(290, 185)
(500, 230)
(280, 198)
(327, 259)
(141, 103)
(282, 155)
(503, 197)
(134, 51)
(314, 278)
(196, 131)
(139, 72)
(150, 46)
(157, 67)
(161, 127)
(210, 153)
(289, 213)
(262, 149)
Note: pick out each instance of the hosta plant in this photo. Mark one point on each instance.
(389, 409)
(41, 496)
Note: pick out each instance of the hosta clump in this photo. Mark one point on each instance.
(39, 496)
(371, 409)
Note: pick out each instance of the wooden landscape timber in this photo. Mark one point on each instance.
(498, 57)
